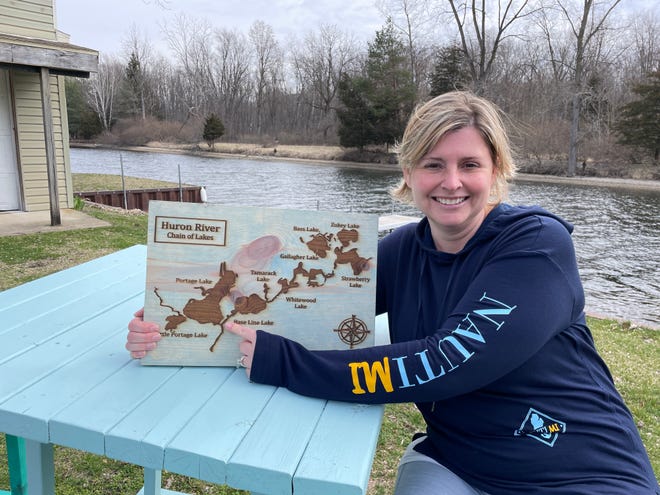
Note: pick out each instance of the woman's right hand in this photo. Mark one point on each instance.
(142, 335)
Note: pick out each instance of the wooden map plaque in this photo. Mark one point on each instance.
(307, 275)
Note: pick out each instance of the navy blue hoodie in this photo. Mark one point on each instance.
(491, 344)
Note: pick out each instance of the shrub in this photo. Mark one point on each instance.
(213, 130)
(139, 132)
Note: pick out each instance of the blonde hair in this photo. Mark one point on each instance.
(449, 112)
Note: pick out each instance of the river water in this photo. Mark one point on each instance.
(616, 233)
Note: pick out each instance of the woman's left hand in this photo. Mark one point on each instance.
(142, 335)
(246, 346)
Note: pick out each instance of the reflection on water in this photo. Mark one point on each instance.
(617, 243)
(616, 231)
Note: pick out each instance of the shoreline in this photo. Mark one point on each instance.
(616, 183)
(610, 182)
(179, 150)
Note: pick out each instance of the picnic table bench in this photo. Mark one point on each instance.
(67, 380)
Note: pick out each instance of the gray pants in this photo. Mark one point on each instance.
(421, 475)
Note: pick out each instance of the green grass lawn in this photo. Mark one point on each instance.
(630, 351)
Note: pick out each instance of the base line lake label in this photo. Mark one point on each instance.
(307, 275)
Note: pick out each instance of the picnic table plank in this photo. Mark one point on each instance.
(288, 420)
(98, 286)
(44, 286)
(84, 423)
(203, 448)
(333, 466)
(97, 279)
(28, 413)
(52, 321)
(142, 436)
(34, 362)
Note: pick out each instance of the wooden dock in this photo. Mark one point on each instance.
(139, 198)
(387, 223)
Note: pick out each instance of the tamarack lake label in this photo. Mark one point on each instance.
(309, 276)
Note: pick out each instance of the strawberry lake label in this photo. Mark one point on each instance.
(307, 275)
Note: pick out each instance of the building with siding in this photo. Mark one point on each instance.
(35, 173)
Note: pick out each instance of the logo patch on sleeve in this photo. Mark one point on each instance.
(540, 427)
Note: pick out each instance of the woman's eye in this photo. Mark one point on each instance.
(431, 165)
(471, 165)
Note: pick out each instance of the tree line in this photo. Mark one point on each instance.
(578, 78)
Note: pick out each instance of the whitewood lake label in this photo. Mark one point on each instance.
(307, 275)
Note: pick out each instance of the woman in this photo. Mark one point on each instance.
(489, 339)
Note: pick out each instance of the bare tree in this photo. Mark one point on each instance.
(189, 39)
(411, 18)
(646, 42)
(161, 86)
(161, 3)
(558, 44)
(138, 54)
(483, 31)
(102, 87)
(640, 44)
(319, 62)
(232, 61)
(267, 64)
(586, 20)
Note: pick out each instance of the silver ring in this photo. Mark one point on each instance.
(241, 361)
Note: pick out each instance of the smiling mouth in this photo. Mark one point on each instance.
(450, 201)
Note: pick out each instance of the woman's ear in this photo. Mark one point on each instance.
(494, 183)
(406, 176)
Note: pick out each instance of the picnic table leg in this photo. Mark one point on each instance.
(40, 466)
(16, 461)
(152, 481)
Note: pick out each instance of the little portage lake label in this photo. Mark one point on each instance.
(307, 275)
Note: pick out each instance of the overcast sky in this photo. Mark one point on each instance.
(102, 24)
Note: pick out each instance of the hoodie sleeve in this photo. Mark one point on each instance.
(525, 292)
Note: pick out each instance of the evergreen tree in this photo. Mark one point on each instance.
(356, 118)
(213, 130)
(392, 91)
(377, 104)
(450, 71)
(640, 119)
(133, 90)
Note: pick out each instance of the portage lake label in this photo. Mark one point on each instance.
(307, 275)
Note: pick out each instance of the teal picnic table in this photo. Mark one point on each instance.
(66, 379)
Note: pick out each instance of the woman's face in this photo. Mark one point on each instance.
(451, 185)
